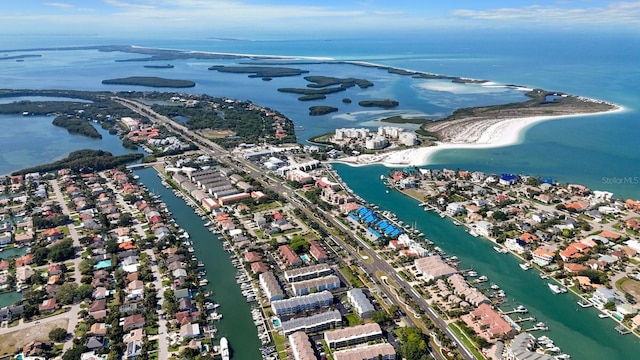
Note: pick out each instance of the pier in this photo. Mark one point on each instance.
(622, 330)
(538, 326)
(520, 309)
(520, 319)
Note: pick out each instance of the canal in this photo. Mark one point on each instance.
(577, 331)
(236, 324)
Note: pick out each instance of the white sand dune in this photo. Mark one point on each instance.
(481, 135)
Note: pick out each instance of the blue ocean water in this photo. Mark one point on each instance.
(597, 151)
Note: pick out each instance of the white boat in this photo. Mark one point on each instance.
(224, 348)
(525, 266)
(500, 249)
(603, 316)
(585, 303)
(556, 289)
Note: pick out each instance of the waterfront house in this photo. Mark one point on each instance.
(270, 286)
(603, 295)
(542, 256)
(23, 273)
(433, 267)
(259, 267)
(190, 330)
(5, 239)
(454, 209)
(574, 268)
(488, 323)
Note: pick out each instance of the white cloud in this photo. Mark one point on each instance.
(58, 5)
(613, 13)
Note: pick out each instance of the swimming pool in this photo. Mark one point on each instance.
(305, 258)
(276, 322)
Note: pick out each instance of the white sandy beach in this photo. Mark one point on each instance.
(479, 135)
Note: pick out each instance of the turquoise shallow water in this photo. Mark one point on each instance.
(595, 151)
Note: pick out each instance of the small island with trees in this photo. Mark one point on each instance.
(321, 110)
(150, 81)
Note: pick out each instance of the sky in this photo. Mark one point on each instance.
(264, 19)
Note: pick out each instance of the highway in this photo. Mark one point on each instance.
(377, 265)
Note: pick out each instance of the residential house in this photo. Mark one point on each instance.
(133, 322)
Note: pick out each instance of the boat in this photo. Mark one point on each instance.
(482, 279)
(495, 287)
(543, 276)
(500, 249)
(525, 266)
(585, 303)
(457, 223)
(556, 289)
(563, 357)
(224, 348)
(472, 273)
(603, 316)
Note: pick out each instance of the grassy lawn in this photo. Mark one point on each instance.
(466, 341)
(351, 277)
(11, 341)
(353, 319)
(280, 342)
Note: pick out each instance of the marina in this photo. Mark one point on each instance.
(580, 333)
(235, 321)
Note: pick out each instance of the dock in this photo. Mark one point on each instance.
(538, 327)
(622, 330)
(520, 319)
(520, 309)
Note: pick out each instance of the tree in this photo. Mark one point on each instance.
(74, 353)
(84, 291)
(66, 293)
(499, 215)
(57, 334)
(125, 219)
(610, 305)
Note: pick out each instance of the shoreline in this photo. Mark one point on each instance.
(491, 134)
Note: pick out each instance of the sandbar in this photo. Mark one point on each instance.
(476, 135)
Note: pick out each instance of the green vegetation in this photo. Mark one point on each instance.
(321, 110)
(77, 126)
(168, 66)
(320, 86)
(312, 97)
(150, 81)
(312, 92)
(324, 81)
(259, 71)
(467, 334)
(237, 122)
(57, 334)
(413, 343)
(81, 160)
(299, 245)
(385, 104)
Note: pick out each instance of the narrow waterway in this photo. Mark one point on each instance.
(236, 324)
(577, 331)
